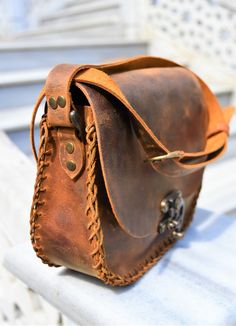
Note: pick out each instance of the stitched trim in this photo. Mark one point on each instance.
(94, 225)
(42, 164)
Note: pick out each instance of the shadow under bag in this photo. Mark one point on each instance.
(121, 157)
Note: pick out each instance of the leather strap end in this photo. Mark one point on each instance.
(223, 126)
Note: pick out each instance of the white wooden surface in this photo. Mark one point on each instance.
(219, 187)
(194, 284)
(17, 175)
(18, 304)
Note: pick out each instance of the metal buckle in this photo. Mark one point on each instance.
(173, 208)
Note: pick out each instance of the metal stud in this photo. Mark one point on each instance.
(164, 206)
(61, 101)
(178, 235)
(71, 166)
(172, 225)
(70, 147)
(53, 103)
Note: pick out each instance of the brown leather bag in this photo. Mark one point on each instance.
(122, 152)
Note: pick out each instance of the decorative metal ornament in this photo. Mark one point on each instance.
(172, 208)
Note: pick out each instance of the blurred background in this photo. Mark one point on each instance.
(36, 35)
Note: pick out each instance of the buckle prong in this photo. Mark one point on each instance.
(175, 154)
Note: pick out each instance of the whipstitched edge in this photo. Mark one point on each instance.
(94, 225)
(38, 189)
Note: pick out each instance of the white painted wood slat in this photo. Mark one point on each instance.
(80, 9)
(22, 77)
(18, 304)
(16, 118)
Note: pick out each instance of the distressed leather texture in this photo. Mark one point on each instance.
(103, 218)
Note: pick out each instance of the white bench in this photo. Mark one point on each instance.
(194, 284)
(19, 304)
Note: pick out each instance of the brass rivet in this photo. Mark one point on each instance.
(70, 148)
(71, 165)
(61, 101)
(178, 235)
(53, 103)
(164, 206)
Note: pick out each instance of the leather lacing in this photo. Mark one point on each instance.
(42, 164)
(94, 225)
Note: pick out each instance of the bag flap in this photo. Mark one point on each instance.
(171, 103)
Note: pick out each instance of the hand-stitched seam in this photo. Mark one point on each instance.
(38, 189)
(94, 224)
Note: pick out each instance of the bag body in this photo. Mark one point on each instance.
(122, 152)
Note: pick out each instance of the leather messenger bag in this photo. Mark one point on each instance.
(121, 157)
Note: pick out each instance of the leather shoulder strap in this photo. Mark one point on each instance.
(179, 162)
(58, 86)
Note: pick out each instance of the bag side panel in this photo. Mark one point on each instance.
(59, 225)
